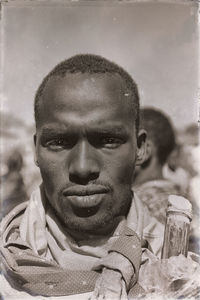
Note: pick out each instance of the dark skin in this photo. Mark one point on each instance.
(151, 169)
(86, 148)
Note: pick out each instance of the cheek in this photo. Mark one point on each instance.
(124, 172)
(120, 167)
(51, 169)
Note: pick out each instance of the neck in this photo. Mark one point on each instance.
(152, 172)
(98, 234)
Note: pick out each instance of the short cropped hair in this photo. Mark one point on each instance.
(92, 64)
(159, 131)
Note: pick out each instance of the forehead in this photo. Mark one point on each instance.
(86, 94)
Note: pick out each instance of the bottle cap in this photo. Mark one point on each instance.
(179, 204)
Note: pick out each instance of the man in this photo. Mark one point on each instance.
(84, 231)
(150, 185)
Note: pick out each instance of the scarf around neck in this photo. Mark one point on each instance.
(40, 258)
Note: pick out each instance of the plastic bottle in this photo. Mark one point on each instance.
(177, 227)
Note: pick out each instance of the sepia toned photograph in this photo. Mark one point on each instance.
(99, 150)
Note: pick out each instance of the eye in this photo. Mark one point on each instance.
(59, 144)
(110, 142)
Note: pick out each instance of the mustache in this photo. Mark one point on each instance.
(97, 187)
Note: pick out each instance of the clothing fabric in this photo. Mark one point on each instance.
(40, 258)
(154, 194)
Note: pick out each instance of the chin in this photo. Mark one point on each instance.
(94, 219)
(89, 224)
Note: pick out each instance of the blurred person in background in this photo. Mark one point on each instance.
(151, 187)
(173, 171)
(169, 168)
(13, 191)
(183, 163)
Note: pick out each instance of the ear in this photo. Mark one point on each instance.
(141, 147)
(149, 149)
(35, 152)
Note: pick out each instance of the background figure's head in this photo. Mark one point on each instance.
(87, 141)
(160, 143)
(15, 161)
(190, 136)
(186, 155)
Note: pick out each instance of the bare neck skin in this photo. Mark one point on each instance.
(151, 171)
(97, 236)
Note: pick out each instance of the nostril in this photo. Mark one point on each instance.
(80, 179)
(94, 175)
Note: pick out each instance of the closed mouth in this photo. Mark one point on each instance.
(85, 197)
(85, 190)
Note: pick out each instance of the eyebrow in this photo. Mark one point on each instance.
(46, 131)
(109, 129)
(105, 129)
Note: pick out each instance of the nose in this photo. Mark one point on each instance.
(83, 164)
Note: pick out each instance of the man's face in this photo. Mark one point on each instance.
(86, 149)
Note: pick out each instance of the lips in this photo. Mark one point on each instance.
(85, 196)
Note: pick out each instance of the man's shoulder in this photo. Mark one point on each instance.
(154, 194)
(159, 186)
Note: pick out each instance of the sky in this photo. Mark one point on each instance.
(156, 42)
